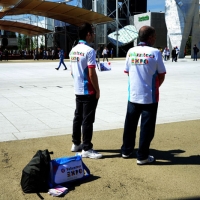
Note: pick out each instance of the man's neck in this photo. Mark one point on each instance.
(144, 44)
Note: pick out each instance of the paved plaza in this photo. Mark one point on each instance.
(38, 101)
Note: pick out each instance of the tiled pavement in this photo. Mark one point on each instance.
(38, 101)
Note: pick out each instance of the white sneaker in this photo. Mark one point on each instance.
(127, 155)
(91, 154)
(149, 160)
(76, 148)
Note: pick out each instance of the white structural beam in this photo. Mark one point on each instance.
(117, 28)
(182, 18)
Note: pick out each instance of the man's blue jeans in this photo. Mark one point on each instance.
(61, 62)
(195, 56)
(148, 113)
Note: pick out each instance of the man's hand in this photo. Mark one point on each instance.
(161, 78)
(97, 94)
(94, 80)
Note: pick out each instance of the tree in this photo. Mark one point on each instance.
(24, 41)
(34, 42)
(42, 42)
(31, 43)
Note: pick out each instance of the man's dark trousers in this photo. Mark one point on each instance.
(148, 114)
(84, 116)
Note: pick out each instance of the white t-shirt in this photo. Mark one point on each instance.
(82, 57)
(104, 52)
(143, 64)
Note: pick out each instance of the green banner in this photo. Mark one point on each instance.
(144, 18)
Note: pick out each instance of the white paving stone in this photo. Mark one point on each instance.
(38, 101)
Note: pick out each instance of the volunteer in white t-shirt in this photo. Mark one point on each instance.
(86, 88)
(105, 54)
(146, 73)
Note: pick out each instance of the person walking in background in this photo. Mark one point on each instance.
(35, 54)
(44, 54)
(105, 54)
(6, 54)
(86, 87)
(174, 54)
(195, 51)
(61, 56)
(111, 53)
(47, 54)
(146, 72)
(177, 52)
(25, 53)
(52, 54)
(165, 54)
(168, 54)
(0, 55)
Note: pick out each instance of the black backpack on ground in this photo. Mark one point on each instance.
(36, 173)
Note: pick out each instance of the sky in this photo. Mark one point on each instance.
(156, 5)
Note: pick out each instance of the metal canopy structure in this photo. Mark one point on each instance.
(8, 4)
(22, 28)
(62, 12)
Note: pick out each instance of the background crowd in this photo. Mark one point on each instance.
(45, 54)
(101, 52)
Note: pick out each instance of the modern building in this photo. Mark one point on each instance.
(64, 35)
(157, 20)
(173, 27)
(8, 40)
(182, 20)
(120, 13)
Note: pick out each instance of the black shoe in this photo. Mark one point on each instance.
(65, 69)
(56, 68)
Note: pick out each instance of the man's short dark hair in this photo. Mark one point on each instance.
(84, 29)
(145, 32)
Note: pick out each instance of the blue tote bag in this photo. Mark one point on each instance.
(67, 169)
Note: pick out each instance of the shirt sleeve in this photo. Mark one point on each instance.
(160, 67)
(126, 70)
(91, 58)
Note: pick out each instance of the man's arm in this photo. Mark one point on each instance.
(161, 78)
(94, 80)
